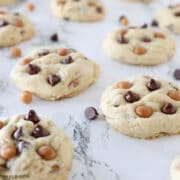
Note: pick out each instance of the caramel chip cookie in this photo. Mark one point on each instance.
(169, 18)
(78, 10)
(34, 148)
(143, 107)
(53, 74)
(14, 28)
(6, 2)
(140, 46)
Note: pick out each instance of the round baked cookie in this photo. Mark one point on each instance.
(33, 148)
(139, 46)
(14, 28)
(143, 107)
(78, 10)
(169, 18)
(53, 74)
(6, 2)
(175, 169)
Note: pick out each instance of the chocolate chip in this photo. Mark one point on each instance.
(131, 97)
(146, 39)
(53, 79)
(144, 26)
(177, 74)
(67, 60)
(123, 40)
(32, 116)
(17, 134)
(43, 52)
(168, 108)
(91, 113)
(153, 85)
(99, 9)
(66, 18)
(177, 14)
(54, 37)
(33, 69)
(3, 23)
(154, 23)
(39, 131)
(21, 145)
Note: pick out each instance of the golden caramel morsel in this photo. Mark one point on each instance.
(124, 85)
(8, 151)
(175, 95)
(30, 7)
(124, 21)
(144, 111)
(27, 61)
(47, 152)
(16, 52)
(139, 50)
(26, 97)
(91, 3)
(63, 52)
(159, 35)
(62, 1)
(1, 124)
(19, 23)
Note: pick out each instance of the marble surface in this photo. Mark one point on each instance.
(100, 152)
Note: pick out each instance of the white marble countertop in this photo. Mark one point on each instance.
(100, 152)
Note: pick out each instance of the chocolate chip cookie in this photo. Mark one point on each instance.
(140, 46)
(169, 18)
(143, 107)
(53, 74)
(34, 148)
(14, 28)
(78, 10)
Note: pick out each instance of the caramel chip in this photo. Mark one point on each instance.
(26, 97)
(144, 111)
(140, 50)
(159, 35)
(16, 52)
(123, 85)
(175, 95)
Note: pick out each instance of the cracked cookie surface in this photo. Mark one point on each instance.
(139, 46)
(143, 107)
(34, 148)
(53, 74)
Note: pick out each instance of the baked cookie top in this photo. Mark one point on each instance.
(6, 2)
(169, 18)
(14, 28)
(175, 169)
(143, 107)
(78, 10)
(140, 46)
(53, 74)
(34, 148)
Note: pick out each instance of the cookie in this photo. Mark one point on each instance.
(6, 2)
(14, 28)
(81, 10)
(169, 18)
(34, 148)
(143, 107)
(175, 169)
(53, 74)
(139, 46)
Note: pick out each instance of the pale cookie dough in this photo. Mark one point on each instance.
(14, 28)
(175, 169)
(143, 107)
(78, 10)
(33, 148)
(53, 74)
(6, 2)
(139, 46)
(169, 18)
